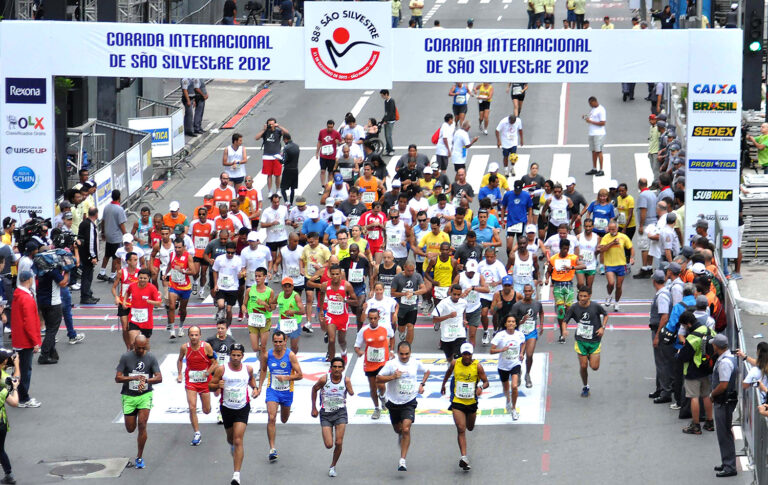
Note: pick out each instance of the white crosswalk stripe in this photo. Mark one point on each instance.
(521, 167)
(560, 165)
(602, 182)
(476, 170)
(208, 187)
(307, 175)
(643, 167)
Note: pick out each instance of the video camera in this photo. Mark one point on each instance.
(34, 228)
(63, 239)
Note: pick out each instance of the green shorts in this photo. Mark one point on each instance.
(587, 348)
(587, 272)
(131, 404)
(563, 293)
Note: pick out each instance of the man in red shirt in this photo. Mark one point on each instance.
(141, 297)
(327, 141)
(373, 222)
(25, 334)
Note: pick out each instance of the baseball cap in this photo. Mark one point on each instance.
(568, 181)
(67, 216)
(178, 229)
(396, 183)
(720, 341)
(25, 275)
(65, 205)
(127, 238)
(531, 228)
(253, 236)
(471, 266)
(659, 276)
(242, 190)
(507, 280)
(661, 117)
(661, 123)
(466, 348)
(428, 170)
(330, 202)
(686, 252)
(702, 223)
(701, 302)
(613, 184)
(78, 187)
(493, 167)
(338, 179)
(31, 246)
(174, 206)
(288, 280)
(437, 184)
(518, 184)
(301, 201)
(338, 218)
(434, 165)
(698, 268)
(675, 268)
(313, 213)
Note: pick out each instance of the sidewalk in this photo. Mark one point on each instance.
(751, 292)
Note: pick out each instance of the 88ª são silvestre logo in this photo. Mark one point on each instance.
(344, 45)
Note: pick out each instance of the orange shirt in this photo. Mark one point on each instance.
(375, 339)
(223, 195)
(563, 268)
(252, 195)
(171, 221)
(201, 235)
(370, 186)
(213, 211)
(225, 224)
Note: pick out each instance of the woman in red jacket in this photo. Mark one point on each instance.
(25, 334)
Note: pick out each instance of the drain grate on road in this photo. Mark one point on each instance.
(101, 468)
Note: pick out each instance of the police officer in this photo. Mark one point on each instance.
(724, 397)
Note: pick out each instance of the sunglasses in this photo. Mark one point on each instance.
(230, 252)
(394, 217)
(422, 220)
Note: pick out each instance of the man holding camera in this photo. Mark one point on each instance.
(49, 300)
(25, 334)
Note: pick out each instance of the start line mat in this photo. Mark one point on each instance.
(170, 402)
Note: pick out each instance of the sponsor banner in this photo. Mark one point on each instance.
(716, 89)
(714, 133)
(103, 179)
(26, 159)
(347, 43)
(120, 175)
(161, 129)
(712, 165)
(133, 168)
(177, 131)
(714, 107)
(712, 194)
(170, 401)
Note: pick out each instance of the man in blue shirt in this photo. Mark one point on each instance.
(313, 223)
(491, 191)
(517, 205)
(668, 351)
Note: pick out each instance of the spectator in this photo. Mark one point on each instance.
(114, 220)
(188, 101)
(596, 119)
(607, 25)
(416, 6)
(88, 236)
(696, 371)
(49, 301)
(286, 12)
(25, 334)
(200, 96)
(666, 17)
(390, 116)
(761, 142)
(230, 12)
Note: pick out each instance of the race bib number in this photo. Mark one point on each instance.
(516, 228)
(311, 269)
(276, 229)
(409, 300)
(393, 239)
(234, 396)
(140, 315)
(457, 240)
(369, 197)
(588, 257)
(222, 358)
(622, 220)
(326, 150)
(288, 325)
(528, 327)
(335, 307)
(201, 242)
(373, 235)
(388, 291)
(511, 353)
(356, 275)
(584, 331)
(473, 297)
(294, 272)
(227, 281)
(178, 277)
(406, 387)
(465, 390)
(134, 385)
(353, 220)
(562, 264)
(280, 385)
(453, 329)
(346, 173)
(376, 354)
(197, 376)
(332, 403)
(460, 99)
(517, 90)
(257, 320)
(601, 224)
(524, 270)
(441, 292)
(560, 214)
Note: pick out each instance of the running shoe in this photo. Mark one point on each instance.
(515, 414)
(608, 301)
(674, 406)
(402, 467)
(235, 479)
(195, 287)
(202, 294)
(180, 332)
(307, 327)
(616, 307)
(585, 391)
(485, 132)
(272, 455)
(196, 439)
(332, 472)
(376, 413)
(219, 418)
(486, 337)
(9, 479)
(240, 316)
(32, 403)
(171, 332)
(139, 463)
(77, 339)
(561, 339)
(591, 172)
(735, 276)
(600, 173)
(464, 463)
(528, 382)
(509, 407)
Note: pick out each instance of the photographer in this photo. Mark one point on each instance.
(49, 300)
(8, 395)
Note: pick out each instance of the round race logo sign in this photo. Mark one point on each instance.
(344, 45)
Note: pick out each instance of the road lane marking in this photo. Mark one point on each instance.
(602, 182)
(561, 163)
(359, 105)
(208, 187)
(643, 167)
(476, 170)
(521, 167)
(561, 122)
(307, 175)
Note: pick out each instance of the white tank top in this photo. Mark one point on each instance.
(333, 396)
(291, 264)
(235, 392)
(237, 170)
(341, 193)
(533, 247)
(395, 235)
(164, 255)
(587, 250)
(558, 210)
(522, 271)
(473, 298)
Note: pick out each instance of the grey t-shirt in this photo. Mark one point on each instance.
(586, 317)
(215, 248)
(6, 254)
(465, 253)
(578, 201)
(402, 283)
(130, 363)
(532, 309)
(113, 216)
(221, 347)
(647, 200)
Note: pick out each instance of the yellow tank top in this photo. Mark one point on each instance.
(484, 91)
(465, 382)
(443, 272)
(344, 253)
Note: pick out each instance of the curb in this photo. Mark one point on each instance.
(748, 305)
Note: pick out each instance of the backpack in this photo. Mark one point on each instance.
(708, 356)
(435, 136)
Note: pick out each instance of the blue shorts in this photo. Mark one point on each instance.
(506, 151)
(359, 290)
(619, 270)
(183, 294)
(534, 334)
(295, 334)
(283, 398)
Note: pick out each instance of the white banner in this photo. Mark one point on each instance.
(177, 131)
(26, 159)
(161, 129)
(103, 179)
(170, 402)
(347, 44)
(133, 164)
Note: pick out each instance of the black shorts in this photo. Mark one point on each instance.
(485, 303)
(443, 161)
(200, 261)
(299, 289)
(229, 297)
(400, 412)
(147, 332)
(110, 249)
(122, 311)
(505, 375)
(237, 180)
(232, 416)
(404, 318)
(543, 222)
(464, 408)
(459, 109)
(290, 179)
(452, 349)
(275, 246)
(519, 97)
(327, 164)
(457, 166)
(551, 230)
(484, 105)
(373, 373)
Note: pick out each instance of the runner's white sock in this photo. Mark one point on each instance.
(103, 271)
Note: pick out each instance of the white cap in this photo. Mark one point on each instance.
(531, 228)
(253, 236)
(312, 212)
(337, 218)
(471, 266)
(698, 268)
(127, 238)
(330, 202)
(396, 183)
(174, 206)
(466, 348)
(427, 170)
(613, 184)
(570, 181)
(493, 167)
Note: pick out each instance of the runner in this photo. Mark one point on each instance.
(524, 266)
(440, 273)
(161, 254)
(387, 308)
(529, 315)
(138, 371)
(227, 270)
(334, 388)
(385, 272)
(589, 333)
(613, 247)
(180, 268)
(449, 316)
(259, 305)
(291, 309)
(288, 258)
(502, 303)
(200, 365)
(397, 231)
(517, 206)
(374, 221)
(357, 270)
(372, 187)
(231, 380)
(202, 230)
(284, 370)
(254, 255)
(400, 375)
(313, 258)
(588, 243)
(213, 250)
(379, 349)
(141, 298)
(560, 271)
(406, 288)
(338, 294)
(465, 373)
(221, 343)
(472, 284)
(492, 272)
(510, 344)
(125, 277)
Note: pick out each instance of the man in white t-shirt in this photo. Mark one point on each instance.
(461, 144)
(596, 121)
(509, 135)
(445, 142)
(449, 316)
(227, 270)
(256, 255)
